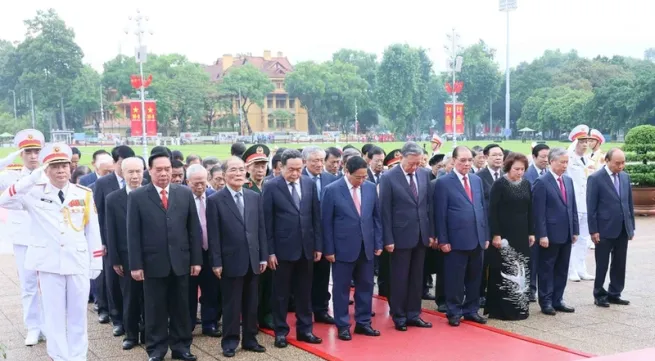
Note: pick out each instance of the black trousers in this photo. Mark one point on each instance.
(406, 283)
(321, 287)
(109, 296)
(462, 283)
(485, 274)
(296, 277)
(210, 292)
(265, 305)
(240, 296)
(167, 314)
(384, 276)
(439, 284)
(133, 310)
(617, 248)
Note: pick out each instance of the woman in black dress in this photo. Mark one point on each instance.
(510, 220)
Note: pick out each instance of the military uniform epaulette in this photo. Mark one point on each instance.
(83, 187)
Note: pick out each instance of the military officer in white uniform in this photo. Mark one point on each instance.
(580, 167)
(17, 230)
(65, 250)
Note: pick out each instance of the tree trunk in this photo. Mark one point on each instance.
(244, 111)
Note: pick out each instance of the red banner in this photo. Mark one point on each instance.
(151, 118)
(459, 118)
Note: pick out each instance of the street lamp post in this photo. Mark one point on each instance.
(32, 107)
(455, 64)
(507, 6)
(141, 56)
(13, 92)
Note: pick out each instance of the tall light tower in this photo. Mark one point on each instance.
(141, 55)
(454, 64)
(507, 6)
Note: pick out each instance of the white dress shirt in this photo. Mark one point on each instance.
(461, 179)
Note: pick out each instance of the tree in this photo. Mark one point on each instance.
(214, 103)
(250, 84)
(280, 119)
(367, 66)
(84, 97)
(308, 83)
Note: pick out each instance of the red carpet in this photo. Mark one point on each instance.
(468, 342)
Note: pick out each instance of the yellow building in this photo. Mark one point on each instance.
(277, 68)
(116, 118)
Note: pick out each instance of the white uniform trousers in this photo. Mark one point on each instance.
(29, 292)
(578, 264)
(65, 300)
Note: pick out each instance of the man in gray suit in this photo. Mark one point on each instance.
(611, 220)
(164, 246)
(407, 232)
(237, 244)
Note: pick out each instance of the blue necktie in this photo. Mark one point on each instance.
(318, 186)
(616, 183)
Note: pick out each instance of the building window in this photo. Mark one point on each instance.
(281, 103)
(292, 103)
(280, 85)
(269, 102)
(292, 123)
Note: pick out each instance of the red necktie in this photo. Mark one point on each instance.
(467, 188)
(164, 199)
(561, 188)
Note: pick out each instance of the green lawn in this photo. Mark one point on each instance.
(222, 151)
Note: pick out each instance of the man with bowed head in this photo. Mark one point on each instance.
(66, 250)
(237, 245)
(458, 200)
(556, 227)
(352, 235)
(404, 205)
(164, 247)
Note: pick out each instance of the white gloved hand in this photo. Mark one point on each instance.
(37, 174)
(94, 273)
(9, 159)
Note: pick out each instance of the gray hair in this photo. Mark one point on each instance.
(225, 164)
(349, 153)
(411, 148)
(194, 169)
(131, 161)
(210, 161)
(312, 149)
(555, 153)
(103, 159)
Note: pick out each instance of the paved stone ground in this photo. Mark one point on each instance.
(589, 329)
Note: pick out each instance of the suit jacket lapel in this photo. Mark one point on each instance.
(610, 183)
(154, 197)
(123, 200)
(232, 205)
(400, 174)
(305, 193)
(282, 183)
(345, 192)
(460, 186)
(555, 185)
(423, 191)
(172, 190)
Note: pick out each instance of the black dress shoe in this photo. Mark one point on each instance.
(483, 301)
(344, 335)
(156, 358)
(129, 344)
(532, 297)
(419, 323)
(281, 342)
(548, 311)
(212, 332)
(454, 321)
(401, 327)
(564, 308)
(476, 318)
(103, 318)
(601, 302)
(229, 352)
(184, 356)
(618, 301)
(118, 330)
(324, 318)
(309, 338)
(95, 308)
(366, 330)
(427, 296)
(255, 348)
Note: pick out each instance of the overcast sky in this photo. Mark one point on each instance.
(314, 29)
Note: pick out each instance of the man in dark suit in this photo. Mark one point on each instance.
(293, 227)
(210, 311)
(237, 244)
(462, 232)
(352, 235)
(164, 246)
(556, 227)
(538, 168)
(101, 189)
(494, 155)
(407, 232)
(434, 258)
(611, 220)
(375, 157)
(314, 157)
(117, 251)
(90, 178)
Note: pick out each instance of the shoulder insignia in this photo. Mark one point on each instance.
(83, 187)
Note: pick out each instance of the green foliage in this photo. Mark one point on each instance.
(3, 351)
(251, 84)
(640, 155)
